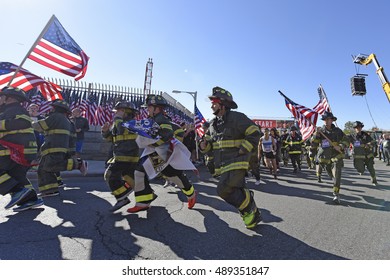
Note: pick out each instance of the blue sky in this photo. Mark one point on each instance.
(251, 48)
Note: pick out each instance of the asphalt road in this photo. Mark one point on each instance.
(300, 222)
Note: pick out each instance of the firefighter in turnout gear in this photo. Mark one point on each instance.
(208, 157)
(55, 150)
(363, 155)
(143, 192)
(283, 149)
(16, 135)
(232, 138)
(293, 144)
(330, 142)
(119, 174)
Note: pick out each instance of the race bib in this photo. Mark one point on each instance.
(356, 143)
(325, 143)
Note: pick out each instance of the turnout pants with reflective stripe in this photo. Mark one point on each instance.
(144, 193)
(361, 163)
(295, 160)
(48, 167)
(13, 178)
(333, 168)
(254, 166)
(231, 187)
(117, 175)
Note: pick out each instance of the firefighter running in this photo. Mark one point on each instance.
(143, 192)
(330, 142)
(55, 151)
(119, 174)
(16, 132)
(363, 155)
(233, 137)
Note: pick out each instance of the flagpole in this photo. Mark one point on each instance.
(311, 123)
(327, 100)
(32, 48)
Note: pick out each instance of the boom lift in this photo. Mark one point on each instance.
(367, 59)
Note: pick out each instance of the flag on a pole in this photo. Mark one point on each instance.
(323, 104)
(26, 80)
(199, 121)
(58, 51)
(306, 117)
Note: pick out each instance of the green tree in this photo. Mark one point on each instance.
(348, 127)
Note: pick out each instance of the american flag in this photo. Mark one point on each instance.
(199, 120)
(323, 104)
(306, 117)
(83, 104)
(91, 109)
(109, 114)
(44, 105)
(26, 80)
(143, 113)
(58, 51)
(104, 112)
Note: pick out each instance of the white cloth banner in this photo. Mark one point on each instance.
(155, 159)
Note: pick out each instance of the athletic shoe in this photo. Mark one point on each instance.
(49, 193)
(374, 182)
(18, 197)
(139, 208)
(29, 205)
(192, 200)
(336, 198)
(119, 204)
(167, 184)
(83, 167)
(258, 182)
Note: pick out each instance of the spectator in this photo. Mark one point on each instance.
(81, 125)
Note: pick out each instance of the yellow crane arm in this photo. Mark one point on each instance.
(365, 60)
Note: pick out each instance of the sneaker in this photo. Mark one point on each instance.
(374, 182)
(119, 204)
(29, 205)
(336, 198)
(192, 200)
(252, 218)
(141, 206)
(18, 197)
(138, 208)
(49, 193)
(83, 167)
(257, 182)
(167, 184)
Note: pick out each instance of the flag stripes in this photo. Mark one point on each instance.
(306, 117)
(58, 51)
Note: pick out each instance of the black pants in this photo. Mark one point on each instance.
(117, 175)
(13, 178)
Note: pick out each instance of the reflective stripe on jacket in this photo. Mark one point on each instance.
(232, 139)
